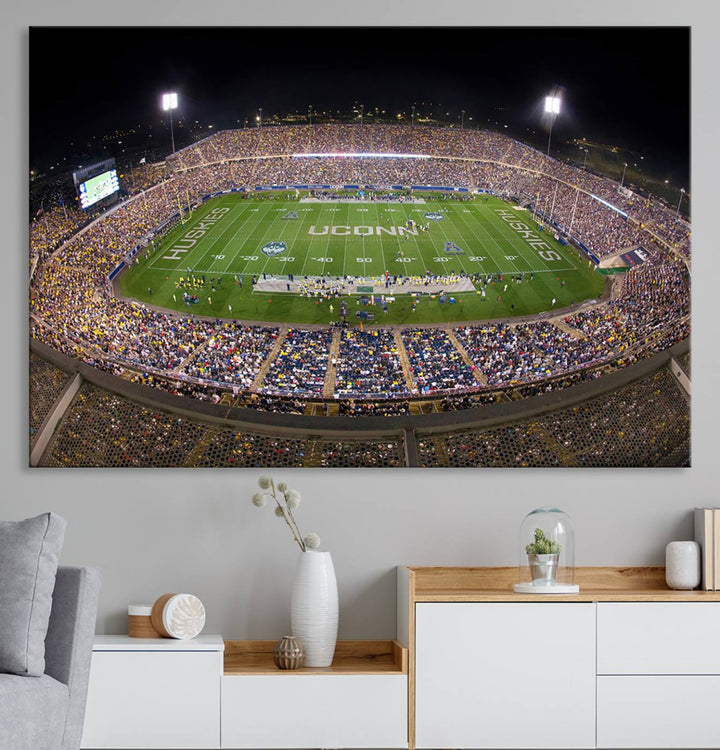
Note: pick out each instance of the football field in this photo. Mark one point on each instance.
(207, 265)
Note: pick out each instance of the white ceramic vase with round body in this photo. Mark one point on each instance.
(314, 607)
(682, 565)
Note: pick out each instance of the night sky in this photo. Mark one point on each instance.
(627, 87)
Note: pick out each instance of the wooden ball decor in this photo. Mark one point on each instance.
(179, 616)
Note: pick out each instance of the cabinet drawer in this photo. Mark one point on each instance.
(658, 711)
(301, 711)
(658, 638)
(155, 699)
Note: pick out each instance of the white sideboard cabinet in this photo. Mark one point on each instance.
(498, 675)
(154, 693)
(625, 663)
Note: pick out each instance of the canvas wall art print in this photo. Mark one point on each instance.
(471, 252)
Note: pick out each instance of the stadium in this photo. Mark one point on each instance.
(361, 295)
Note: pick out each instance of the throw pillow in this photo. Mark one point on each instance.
(29, 552)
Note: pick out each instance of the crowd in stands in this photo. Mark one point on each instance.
(51, 227)
(188, 389)
(46, 384)
(119, 331)
(143, 176)
(538, 387)
(528, 351)
(471, 401)
(301, 364)
(364, 408)
(435, 362)
(368, 365)
(654, 298)
(108, 430)
(276, 404)
(233, 354)
(73, 311)
(643, 423)
(361, 453)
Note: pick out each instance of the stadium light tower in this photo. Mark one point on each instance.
(552, 107)
(413, 115)
(169, 103)
(462, 120)
(310, 112)
(622, 179)
(677, 213)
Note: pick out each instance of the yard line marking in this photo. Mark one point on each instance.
(293, 246)
(240, 247)
(508, 239)
(484, 250)
(265, 239)
(487, 225)
(251, 219)
(442, 227)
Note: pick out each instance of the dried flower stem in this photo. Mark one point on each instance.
(288, 517)
(285, 501)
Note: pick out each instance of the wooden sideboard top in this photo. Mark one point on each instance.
(632, 584)
(351, 657)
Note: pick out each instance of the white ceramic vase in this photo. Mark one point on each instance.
(682, 565)
(314, 607)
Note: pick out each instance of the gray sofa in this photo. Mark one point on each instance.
(46, 712)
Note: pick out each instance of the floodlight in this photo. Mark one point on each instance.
(169, 103)
(552, 108)
(552, 104)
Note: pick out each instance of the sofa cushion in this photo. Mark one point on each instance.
(29, 552)
(32, 712)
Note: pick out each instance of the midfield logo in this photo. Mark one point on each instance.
(451, 247)
(274, 248)
(290, 215)
(433, 216)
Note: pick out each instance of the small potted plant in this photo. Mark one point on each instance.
(543, 555)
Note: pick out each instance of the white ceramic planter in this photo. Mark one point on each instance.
(682, 565)
(314, 607)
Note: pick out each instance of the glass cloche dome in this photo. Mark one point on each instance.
(546, 553)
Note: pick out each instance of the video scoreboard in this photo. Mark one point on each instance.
(97, 183)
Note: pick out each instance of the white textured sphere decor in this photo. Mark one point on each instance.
(314, 607)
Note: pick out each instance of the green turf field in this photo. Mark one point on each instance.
(232, 238)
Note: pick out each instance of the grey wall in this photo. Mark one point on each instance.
(153, 531)
(158, 531)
